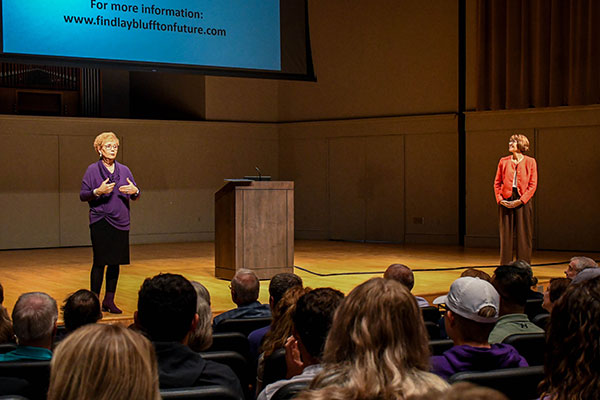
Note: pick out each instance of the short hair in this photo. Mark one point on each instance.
(526, 267)
(400, 273)
(580, 263)
(201, 338)
(282, 282)
(476, 273)
(246, 286)
(103, 138)
(572, 347)
(166, 307)
(473, 331)
(512, 283)
(103, 362)
(313, 316)
(81, 308)
(522, 142)
(557, 287)
(34, 317)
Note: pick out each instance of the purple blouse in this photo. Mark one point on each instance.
(114, 207)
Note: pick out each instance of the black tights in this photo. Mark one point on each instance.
(112, 276)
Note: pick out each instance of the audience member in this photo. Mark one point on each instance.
(404, 275)
(167, 314)
(473, 306)
(104, 362)
(34, 322)
(281, 329)
(81, 308)
(532, 293)
(476, 273)
(6, 330)
(572, 364)
(512, 284)
(245, 288)
(201, 338)
(377, 347)
(312, 318)
(467, 390)
(556, 288)
(279, 284)
(578, 264)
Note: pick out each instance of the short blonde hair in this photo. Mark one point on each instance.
(522, 142)
(102, 362)
(103, 138)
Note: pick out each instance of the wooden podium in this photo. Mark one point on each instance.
(254, 228)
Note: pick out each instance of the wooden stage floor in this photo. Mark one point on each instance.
(61, 271)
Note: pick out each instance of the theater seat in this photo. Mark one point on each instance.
(532, 346)
(242, 325)
(230, 341)
(200, 393)
(439, 346)
(515, 383)
(7, 347)
(275, 367)
(541, 320)
(431, 313)
(290, 390)
(37, 373)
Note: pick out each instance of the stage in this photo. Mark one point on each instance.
(61, 271)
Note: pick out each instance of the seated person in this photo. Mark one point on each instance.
(245, 288)
(201, 339)
(556, 288)
(578, 264)
(101, 361)
(513, 285)
(6, 330)
(473, 306)
(167, 314)
(81, 308)
(311, 318)
(401, 273)
(278, 285)
(531, 294)
(34, 322)
(572, 356)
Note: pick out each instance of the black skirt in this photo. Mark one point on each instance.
(110, 245)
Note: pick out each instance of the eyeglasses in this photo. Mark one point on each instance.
(111, 146)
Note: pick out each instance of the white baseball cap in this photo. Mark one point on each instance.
(468, 295)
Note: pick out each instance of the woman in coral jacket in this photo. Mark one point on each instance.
(514, 186)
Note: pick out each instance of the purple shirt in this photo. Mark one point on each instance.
(468, 358)
(114, 207)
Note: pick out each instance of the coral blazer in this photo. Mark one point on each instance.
(527, 178)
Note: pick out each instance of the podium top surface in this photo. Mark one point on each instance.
(254, 185)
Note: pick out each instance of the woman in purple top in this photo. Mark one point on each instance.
(108, 186)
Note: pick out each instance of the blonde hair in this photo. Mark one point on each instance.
(102, 362)
(103, 138)
(377, 347)
(522, 142)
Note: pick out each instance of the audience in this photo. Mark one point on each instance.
(34, 322)
(572, 365)
(279, 284)
(281, 329)
(555, 289)
(578, 264)
(476, 273)
(513, 285)
(404, 275)
(201, 338)
(312, 318)
(377, 347)
(104, 362)
(167, 314)
(245, 288)
(81, 308)
(532, 293)
(473, 306)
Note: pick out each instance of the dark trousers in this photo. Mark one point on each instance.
(516, 231)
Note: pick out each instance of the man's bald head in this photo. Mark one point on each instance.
(245, 287)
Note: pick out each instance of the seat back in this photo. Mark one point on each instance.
(541, 320)
(534, 307)
(200, 393)
(433, 330)
(431, 313)
(439, 346)
(290, 390)
(7, 347)
(233, 360)
(275, 367)
(37, 373)
(532, 346)
(230, 341)
(515, 383)
(242, 325)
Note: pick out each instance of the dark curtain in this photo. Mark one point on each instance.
(537, 53)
